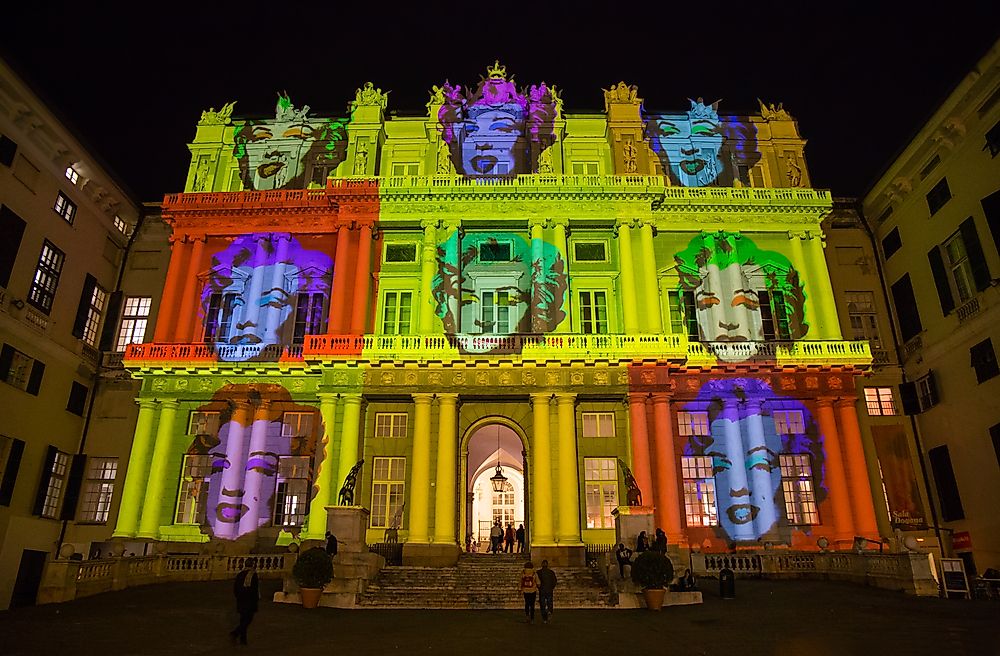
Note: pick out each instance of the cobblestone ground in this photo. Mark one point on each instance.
(767, 617)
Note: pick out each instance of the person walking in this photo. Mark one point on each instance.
(496, 537)
(529, 588)
(519, 536)
(246, 589)
(546, 587)
(508, 539)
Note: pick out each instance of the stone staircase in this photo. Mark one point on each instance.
(479, 581)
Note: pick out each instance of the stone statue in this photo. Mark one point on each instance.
(444, 164)
(392, 533)
(437, 96)
(346, 497)
(629, 155)
(370, 96)
(545, 161)
(794, 173)
(361, 159)
(557, 99)
(285, 112)
(772, 113)
(633, 497)
(221, 117)
(201, 175)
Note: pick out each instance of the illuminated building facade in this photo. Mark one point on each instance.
(498, 283)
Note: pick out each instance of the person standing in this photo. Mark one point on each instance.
(331, 544)
(624, 556)
(519, 535)
(529, 588)
(508, 539)
(660, 541)
(496, 537)
(546, 588)
(641, 542)
(246, 589)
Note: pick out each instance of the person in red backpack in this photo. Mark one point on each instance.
(529, 588)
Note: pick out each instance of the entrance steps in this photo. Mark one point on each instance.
(478, 581)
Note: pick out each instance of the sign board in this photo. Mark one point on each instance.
(953, 576)
(961, 541)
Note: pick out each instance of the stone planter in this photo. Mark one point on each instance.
(654, 598)
(310, 597)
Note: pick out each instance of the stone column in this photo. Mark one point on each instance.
(560, 229)
(447, 470)
(629, 301)
(280, 242)
(569, 474)
(668, 503)
(252, 308)
(336, 323)
(170, 300)
(187, 318)
(542, 532)
(138, 471)
(418, 498)
(537, 255)
(822, 288)
(862, 505)
(761, 481)
(738, 468)
(362, 281)
(156, 487)
(326, 471)
(836, 478)
(233, 477)
(654, 321)
(348, 444)
(252, 484)
(641, 468)
(428, 263)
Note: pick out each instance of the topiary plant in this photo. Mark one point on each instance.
(313, 568)
(652, 570)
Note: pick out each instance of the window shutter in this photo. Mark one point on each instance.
(35, 380)
(8, 147)
(10, 472)
(12, 228)
(974, 249)
(932, 389)
(43, 484)
(947, 486)
(941, 280)
(81, 310)
(6, 359)
(110, 330)
(908, 394)
(991, 208)
(906, 308)
(73, 483)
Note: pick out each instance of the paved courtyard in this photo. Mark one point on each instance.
(767, 617)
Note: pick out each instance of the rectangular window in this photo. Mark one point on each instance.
(884, 216)
(219, 318)
(692, 424)
(590, 251)
(947, 486)
(90, 311)
(938, 196)
(20, 371)
(135, 315)
(494, 251)
(58, 471)
(8, 148)
(192, 499)
(72, 175)
(930, 166)
(11, 450)
(593, 313)
(774, 315)
(203, 423)
(927, 393)
(404, 252)
(788, 422)
(12, 228)
(906, 308)
(960, 268)
(46, 279)
(390, 424)
(601, 484)
(891, 243)
(683, 317)
(584, 168)
(797, 485)
(496, 312)
(700, 508)
(396, 313)
(861, 313)
(598, 424)
(77, 398)
(297, 424)
(291, 493)
(405, 168)
(310, 316)
(879, 401)
(388, 475)
(64, 207)
(98, 489)
(984, 360)
(121, 226)
(993, 139)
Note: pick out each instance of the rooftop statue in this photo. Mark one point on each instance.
(284, 110)
(621, 94)
(369, 96)
(772, 113)
(221, 117)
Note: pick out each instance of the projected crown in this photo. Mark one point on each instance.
(497, 71)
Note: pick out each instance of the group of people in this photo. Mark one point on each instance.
(624, 555)
(541, 583)
(506, 540)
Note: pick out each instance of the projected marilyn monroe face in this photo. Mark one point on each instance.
(728, 309)
(492, 137)
(688, 144)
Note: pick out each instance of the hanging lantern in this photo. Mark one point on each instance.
(498, 480)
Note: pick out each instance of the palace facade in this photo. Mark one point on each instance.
(587, 308)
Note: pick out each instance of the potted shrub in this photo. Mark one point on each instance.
(653, 571)
(313, 569)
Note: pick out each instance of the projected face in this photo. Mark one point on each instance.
(688, 148)
(492, 138)
(728, 309)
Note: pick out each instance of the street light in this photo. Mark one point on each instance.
(498, 480)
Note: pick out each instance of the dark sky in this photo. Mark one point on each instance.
(860, 81)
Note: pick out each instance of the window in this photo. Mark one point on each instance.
(121, 226)
(593, 313)
(947, 486)
(884, 216)
(788, 422)
(98, 489)
(693, 423)
(960, 269)
(387, 490)
(938, 196)
(601, 481)
(994, 436)
(291, 493)
(90, 310)
(405, 168)
(72, 175)
(861, 313)
(46, 280)
(584, 168)
(192, 499)
(598, 424)
(496, 312)
(309, 316)
(774, 315)
(494, 251)
(64, 207)
(891, 243)
(390, 424)
(12, 228)
(77, 398)
(11, 450)
(135, 315)
(683, 317)
(8, 147)
(406, 252)
(297, 424)
(797, 485)
(984, 360)
(396, 313)
(930, 166)
(906, 308)
(993, 139)
(919, 395)
(20, 371)
(219, 318)
(590, 251)
(700, 507)
(203, 423)
(991, 210)
(503, 505)
(54, 483)
(879, 401)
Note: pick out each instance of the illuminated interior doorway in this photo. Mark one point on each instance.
(489, 446)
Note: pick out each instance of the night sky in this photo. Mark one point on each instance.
(861, 82)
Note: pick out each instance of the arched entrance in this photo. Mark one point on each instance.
(489, 442)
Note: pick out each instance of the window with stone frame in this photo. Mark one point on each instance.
(291, 492)
(700, 503)
(601, 491)
(388, 476)
(861, 314)
(598, 424)
(98, 489)
(390, 424)
(879, 401)
(192, 498)
(797, 485)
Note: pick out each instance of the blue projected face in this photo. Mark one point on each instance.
(688, 147)
(490, 143)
